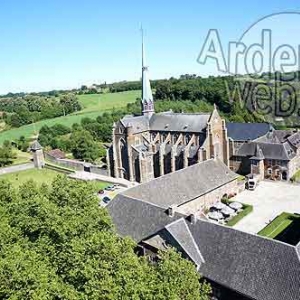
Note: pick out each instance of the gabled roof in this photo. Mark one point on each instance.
(181, 233)
(179, 122)
(247, 131)
(270, 151)
(184, 185)
(137, 124)
(35, 146)
(255, 266)
(138, 219)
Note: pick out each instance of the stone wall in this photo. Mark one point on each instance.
(207, 200)
(76, 165)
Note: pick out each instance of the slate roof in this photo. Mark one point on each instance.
(181, 233)
(179, 122)
(270, 151)
(247, 131)
(35, 146)
(57, 153)
(136, 218)
(257, 267)
(184, 185)
(138, 123)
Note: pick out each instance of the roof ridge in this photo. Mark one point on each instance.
(191, 236)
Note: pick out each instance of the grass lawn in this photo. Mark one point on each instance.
(43, 176)
(99, 185)
(93, 106)
(22, 157)
(285, 228)
(39, 176)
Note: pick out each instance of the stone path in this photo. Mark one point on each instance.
(17, 168)
(81, 175)
(269, 200)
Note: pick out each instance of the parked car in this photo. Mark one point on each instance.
(106, 199)
(101, 192)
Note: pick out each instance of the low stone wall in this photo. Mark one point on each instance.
(76, 165)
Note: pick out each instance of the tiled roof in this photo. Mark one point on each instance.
(179, 122)
(270, 151)
(137, 219)
(35, 146)
(257, 267)
(184, 185)
(138, 124)
(254, 266)
(247, 131)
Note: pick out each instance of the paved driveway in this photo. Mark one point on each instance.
(269, 200)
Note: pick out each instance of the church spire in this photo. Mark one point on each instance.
(147, 97)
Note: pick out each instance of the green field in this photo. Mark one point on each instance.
(93, 106)
(43, 176)
(285, 228)
(39, 176)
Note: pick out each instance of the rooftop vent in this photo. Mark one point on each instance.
(171, 211)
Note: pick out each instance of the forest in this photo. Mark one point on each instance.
(57, 243)
(21, 110)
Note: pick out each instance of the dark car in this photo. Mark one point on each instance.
(106, 200)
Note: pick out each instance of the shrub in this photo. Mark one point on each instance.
(247, 209)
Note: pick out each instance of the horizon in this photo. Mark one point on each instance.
(62, 46)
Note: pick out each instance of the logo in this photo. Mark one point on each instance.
(264, 63)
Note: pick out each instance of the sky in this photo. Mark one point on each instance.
(57, 44)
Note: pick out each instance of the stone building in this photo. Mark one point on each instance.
(38, 155)
(211, 180)
(162, 213)
(153, 144)
(274, 155)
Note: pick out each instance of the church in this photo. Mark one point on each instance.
(154, 144)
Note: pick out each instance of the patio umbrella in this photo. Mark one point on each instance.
(215, 215)
(227, 211)
(219, 205)
(236, 205)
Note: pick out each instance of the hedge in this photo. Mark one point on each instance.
(247, 209)
(277, 225)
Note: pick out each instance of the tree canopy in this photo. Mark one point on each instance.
(57, 243)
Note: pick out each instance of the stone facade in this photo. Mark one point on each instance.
(207, 200)
(141, 153)
(38, 155)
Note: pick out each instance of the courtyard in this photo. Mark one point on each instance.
(269, 200)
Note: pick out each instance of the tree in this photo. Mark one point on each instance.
(6, 154)
(83, 146)
(57, 243)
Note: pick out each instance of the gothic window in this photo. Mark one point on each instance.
(188, 137)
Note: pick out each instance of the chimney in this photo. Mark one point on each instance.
(171, 210)
(193, 219)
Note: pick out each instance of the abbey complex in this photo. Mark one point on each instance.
(154, 144)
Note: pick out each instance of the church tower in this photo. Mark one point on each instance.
(147, 97)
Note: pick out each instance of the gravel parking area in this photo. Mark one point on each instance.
(269, 200)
